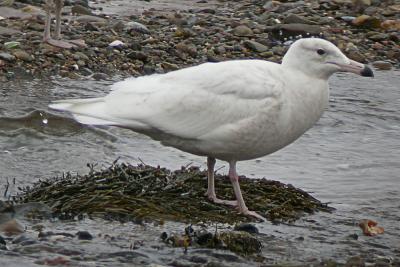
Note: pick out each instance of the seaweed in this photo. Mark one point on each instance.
(143, 192)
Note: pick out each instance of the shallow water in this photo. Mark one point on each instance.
(349, 159)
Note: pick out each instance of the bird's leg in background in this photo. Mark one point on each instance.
(211, 185)
(238, 193)
(47, 7)
(59, 6)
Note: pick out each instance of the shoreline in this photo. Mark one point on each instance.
(150, 40)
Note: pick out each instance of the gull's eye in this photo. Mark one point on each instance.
(321, 52)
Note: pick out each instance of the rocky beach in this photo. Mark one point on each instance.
(132, 38)
(66, 201)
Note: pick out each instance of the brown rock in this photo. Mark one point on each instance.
(12, 227)
(22, 55)
(382, 65)
(243, 31)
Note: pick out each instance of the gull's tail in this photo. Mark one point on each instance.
(86, 111)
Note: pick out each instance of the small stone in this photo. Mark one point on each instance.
(7, 57)
(12, 227)
(382, 65)
(84, 235)
(293, 18)
(242, 31)
(187, 48)
(137, 55)
(99, 76)
(136, 27)
(256, 46)
(169, 66)
(355, 261)
(367, 22)
(2, 241)
(80, 56)
(22, 55)
(80, 10)
(379, 37)
(247, 227)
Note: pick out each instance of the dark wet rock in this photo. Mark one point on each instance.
(255, 46)
(198, 259)
(247, 227)
(204, 238)
(7, 56)
(84, 235)
(2, 241)
(382, 65)
(355, 261)
(24, 240)
(100, 76)
(243, 31)
(138, 55)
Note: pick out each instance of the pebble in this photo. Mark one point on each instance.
(23, 55)
(7, 56)
(255, 46)
(12, 227)
(355, 261)
(243, 31)
(137, 27)
(2, 241)
(100, 76)
(247, 227)
(382, 65)
(84, 235)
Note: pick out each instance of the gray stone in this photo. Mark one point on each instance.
(9, 31)
(243, 31)
(293, 18)
(7, 57)
(137, 27)
(89, 18)
(379, 37)
(256, 46)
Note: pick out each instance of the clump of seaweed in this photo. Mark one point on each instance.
(129, 192)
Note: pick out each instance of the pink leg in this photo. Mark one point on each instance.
(46, 34)
(238, 193)
(59, 6)
(211, 187)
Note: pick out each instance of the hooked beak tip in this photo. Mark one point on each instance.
(367, 72)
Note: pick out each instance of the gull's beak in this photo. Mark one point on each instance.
(356, 67)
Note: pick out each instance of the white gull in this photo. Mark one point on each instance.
(233, 110)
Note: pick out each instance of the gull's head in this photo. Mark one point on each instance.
(320, 58)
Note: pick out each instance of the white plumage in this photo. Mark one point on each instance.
(234, 110)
